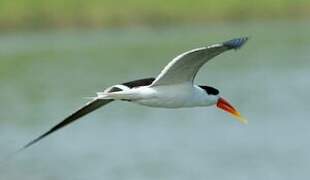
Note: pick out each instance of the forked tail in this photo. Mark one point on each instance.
(120, 95)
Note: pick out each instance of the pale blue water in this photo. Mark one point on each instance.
(45, 75)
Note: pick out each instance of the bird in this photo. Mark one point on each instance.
(173, 88)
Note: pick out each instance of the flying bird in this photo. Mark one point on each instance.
(173, 88)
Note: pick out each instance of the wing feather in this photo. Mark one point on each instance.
(88, 108)
(184, 67)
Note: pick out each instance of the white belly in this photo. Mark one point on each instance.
(174, 96)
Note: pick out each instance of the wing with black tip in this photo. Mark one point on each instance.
(184, 67)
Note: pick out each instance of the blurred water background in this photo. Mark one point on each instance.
(48, 66)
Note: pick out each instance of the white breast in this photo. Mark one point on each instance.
(171, 96)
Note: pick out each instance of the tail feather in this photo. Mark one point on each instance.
(120, 95)
(104, 95)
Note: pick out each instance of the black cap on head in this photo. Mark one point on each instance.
(210, 90)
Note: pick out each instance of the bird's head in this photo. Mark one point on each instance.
(221, 103)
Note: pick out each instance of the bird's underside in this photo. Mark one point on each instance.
(96, 103)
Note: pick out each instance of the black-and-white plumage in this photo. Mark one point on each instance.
(172, 88)
(92, 106)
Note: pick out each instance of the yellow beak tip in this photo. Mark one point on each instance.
(241, 119)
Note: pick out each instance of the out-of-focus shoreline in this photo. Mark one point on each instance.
(32, 14)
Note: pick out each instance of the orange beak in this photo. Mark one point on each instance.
(223, 104)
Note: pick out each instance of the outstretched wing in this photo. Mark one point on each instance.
(89, 107)
(184, 67)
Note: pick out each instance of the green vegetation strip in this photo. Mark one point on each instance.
(68, 13)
